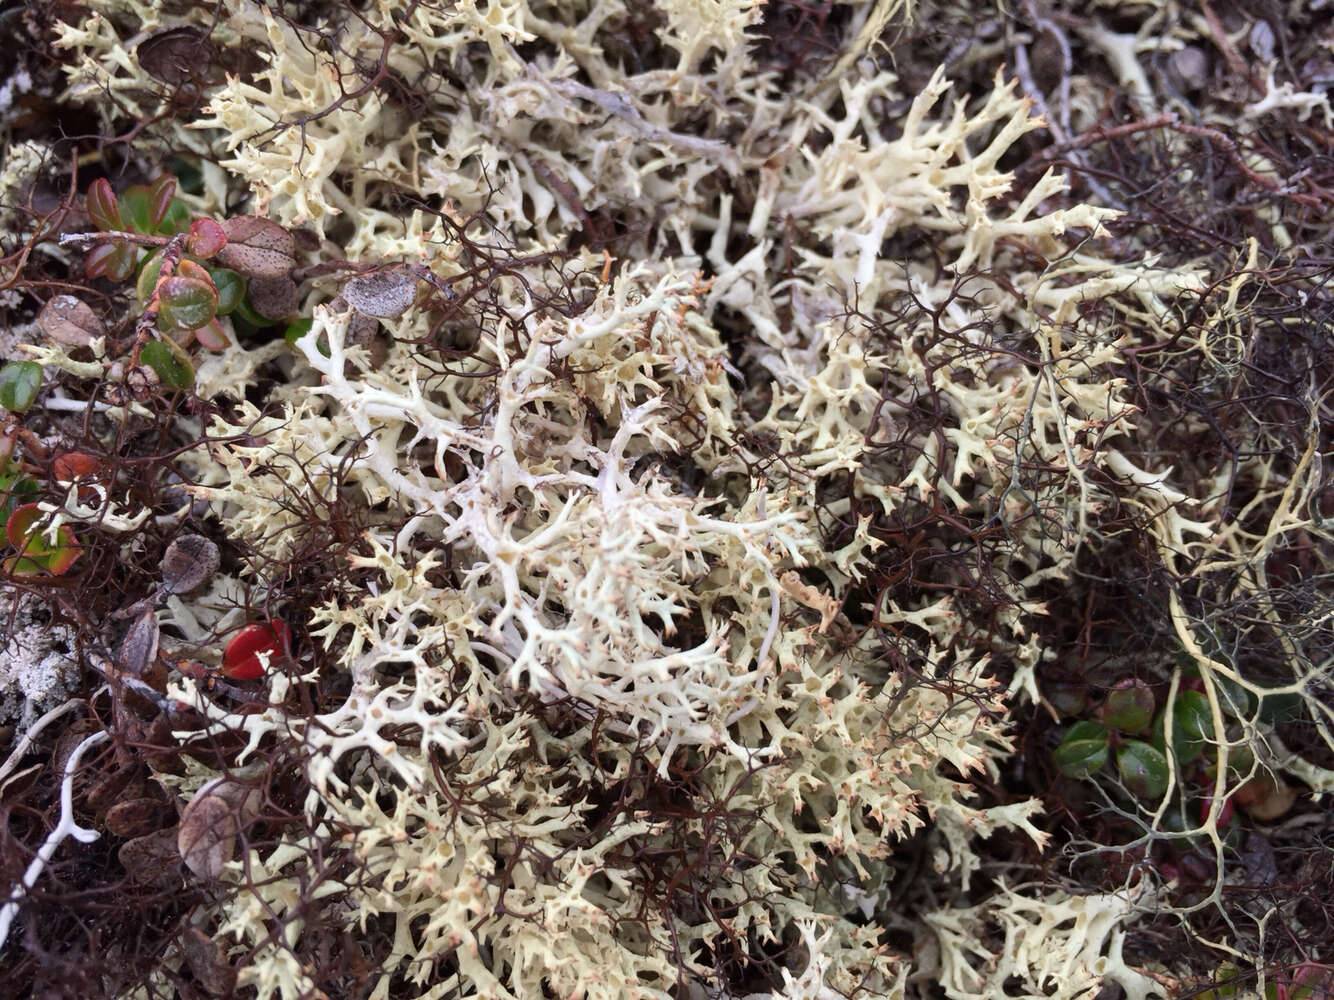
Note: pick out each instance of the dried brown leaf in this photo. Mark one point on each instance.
(134, 817)
(383, 294)
(208, 963)
(70, 321)
(273, 298)
(210, 822)
(139, 648)
(188, 563)
(257, 247)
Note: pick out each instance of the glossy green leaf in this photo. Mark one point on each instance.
(231, 288)
(177, 219)
(20, 381)
(1083, 750)
(136, 209)
(1129, 706)
(171, 363)
(299, 328)
(15, 491)
(247, 312)
(148, 275)
(185, 303)
(1143, 769)
(1192, 724)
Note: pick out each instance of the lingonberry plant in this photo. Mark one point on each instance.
(190, 273)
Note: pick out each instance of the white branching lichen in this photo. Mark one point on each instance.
(550, 601)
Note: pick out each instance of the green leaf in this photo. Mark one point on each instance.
(19, 385)
(185, 304)
(247, 312)
(148, 275)
(231, 288)
(1083, 750)
(136, 209)
(15, 491)
(177, 219)
(1129, 706)
(1143, 769)
(299, 328)
(1192, 723)
(171, 363)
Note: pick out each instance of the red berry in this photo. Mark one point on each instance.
(241, 660)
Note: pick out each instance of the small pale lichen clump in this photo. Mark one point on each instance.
(600, 611)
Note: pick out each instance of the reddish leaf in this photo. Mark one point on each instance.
(102, 207)
(110, 260)
(20, 525)
(160, 193)
(242, 662)
(206, 238)
(189, 269)
(212, 336)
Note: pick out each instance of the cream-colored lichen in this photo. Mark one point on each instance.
(590, 580)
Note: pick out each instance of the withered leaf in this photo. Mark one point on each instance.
(273, 298)
(383, 294)
(210, 822)
(70, 321)
(139, 648)
(207, 962)
(151, 858)
(134, 817)
(188, 563)
(177, 55)
(257, 247)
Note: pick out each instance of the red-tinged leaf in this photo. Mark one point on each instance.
(75, 465)
(24, 566)
(24, 533)
(189, 269)
(110, 260)
(257, 247)
(20, 525)
(185, 303)
(206, 238)
(241, 661)
(160, 193)
(102, 207)
(212, 336)
(66, 555)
